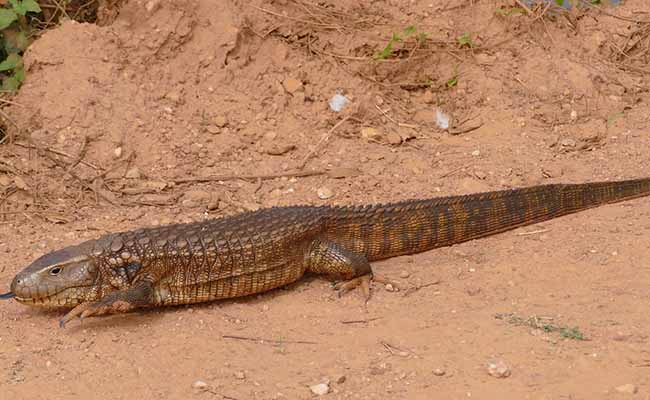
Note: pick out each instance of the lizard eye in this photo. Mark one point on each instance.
(55, 271)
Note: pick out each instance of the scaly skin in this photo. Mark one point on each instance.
(258, 251)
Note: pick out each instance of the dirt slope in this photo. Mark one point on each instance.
(172, 91)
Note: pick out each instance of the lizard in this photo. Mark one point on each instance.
(256, 251)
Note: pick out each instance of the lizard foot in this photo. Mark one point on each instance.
(96, 308)
(364, 283)
(118, 301)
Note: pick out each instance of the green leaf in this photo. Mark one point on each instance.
(386, 52)
(12, 61)
(22, 7)
(19, 74)
(409, 30)
(31, 6)
(453, 81)
(10, 84)
(465, 40)
(15, 40)
(7, 16)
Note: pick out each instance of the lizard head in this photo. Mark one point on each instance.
(63, 278)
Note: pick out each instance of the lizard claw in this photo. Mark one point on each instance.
(77, 312)
(360, 281)
(363, 282)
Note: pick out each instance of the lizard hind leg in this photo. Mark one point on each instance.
(351, 268)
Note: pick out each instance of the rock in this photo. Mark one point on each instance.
(340, 379)
(391, 288)
(200, 385)
(213, 129)
(404, 274)
(195, 198)
(320, 389)
(394, 138)
(628, 388)
(133, 173)
(151, 6)
(574, 115)
(220, 121)
(174, 96)
(498, 369)
(213, 204)
(292, 85)
(369, 133)
(4, 180)
(324, 193)
(240, 375)
(270, 136)
(439, 372)
(476, 153)
(567, 142)
(117, 152)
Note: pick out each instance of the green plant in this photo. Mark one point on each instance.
(409, 31)
(542, 323)
(465, 40)
(453, 81)
(14, 32)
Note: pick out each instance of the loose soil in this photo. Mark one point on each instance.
(121, 123)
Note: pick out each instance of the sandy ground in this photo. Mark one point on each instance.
(116, 119)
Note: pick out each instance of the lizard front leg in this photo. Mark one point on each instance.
(354, 270)
(136, 296)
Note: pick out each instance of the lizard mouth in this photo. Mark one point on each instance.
(68, 297)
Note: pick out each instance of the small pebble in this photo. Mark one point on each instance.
(213, 205)
(390, 288)
(574, 115)
(240, 375)
(498, 369)
(199, 385)
(320, 389)
(439, 372)
(117, 152)
(627, 388)
(476, 153)
(369, 133)
(340, 379)
(220, 121)
(404, 274)
(324, 193)
(133, 173)
(568, 142)
(292, 85)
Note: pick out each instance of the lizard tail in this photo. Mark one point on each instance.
(409, 227)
